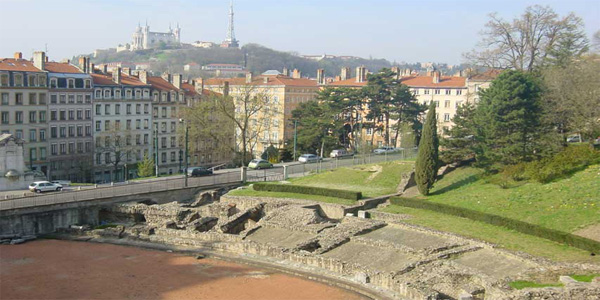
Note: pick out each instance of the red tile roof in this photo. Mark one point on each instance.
(161, 84)
(11, 64)
(61, 68)
(106, 79)
(260, 80)
(413, 81)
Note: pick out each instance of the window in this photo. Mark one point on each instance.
(458, 92)
(18, 80)
(174, 112)
(71, 99)
(42, 99)
(63, 131)
(98, 125)
(18, 99)
(106, 94)
(54, 149)
(88, 147)
(80, 147)
(62, 99)
(138, 109)
(80, 114)
(98, 109)
(19, 133)
(99, 158)
(71, 114)
(19, 117)
(128, 109)
(79, 98)
(4, 80)
(146, 108)
(98, 94)
(163, 127)
(5, 117)
(32, 135)
(4, 99)
(32, 99)
(106, 125)
(146, 94)
(42, 116)
(43, 153)
(87, 84)
(155, 112)
(117, 109)
(71, 83)
(42, 135)
(128, 125)
(138, 94)
(107, 157)
(53, 132)
(88, 130)
(33, 154)
(79, 130)
(163, 157)
(164, 112)
(128, 140)
(448, 91)
(62, 115)
(128, 94)
(88, 114)
(88, 98)
(138, 138)
(63, 148)
(446, 117)
(146, 123)
(447, 103)
(107, 109)
(71, 148)
(146, 139)
(173, 156)
(173, 141)
(163, 142)
(117, 124)
(426, 91)
(173, 126)
(32, 116)
(437, 103)
(53, 115)
(138, 124)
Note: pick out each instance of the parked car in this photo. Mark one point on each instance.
(384, 149)
(62, 182)
(309, 158)
(44, 186)
(340, 153)
(199, 171)
(574, 139)
(259, 164)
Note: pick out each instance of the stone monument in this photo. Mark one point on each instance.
(13, 173)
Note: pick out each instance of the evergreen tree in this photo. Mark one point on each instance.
(508, 120)
(146, 167)
(458, 145)
(427, 159)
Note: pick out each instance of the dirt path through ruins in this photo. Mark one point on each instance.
(51, 269)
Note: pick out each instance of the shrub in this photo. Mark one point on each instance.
(520, 226)
(570, 160)
(310, 190)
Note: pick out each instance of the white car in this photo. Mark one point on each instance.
(384, 149)
(44, 186)
(62, 182)
(309, 158)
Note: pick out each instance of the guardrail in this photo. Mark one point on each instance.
(133, 188)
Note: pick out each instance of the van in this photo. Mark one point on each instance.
(339, 153)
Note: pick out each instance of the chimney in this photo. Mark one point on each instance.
(248, 78)
(143, 76)
(83, 64)
(397, 71)
(199, 84)
(226, 88)
(361, 74)
(436, 76)
(320, 76)
(177, 80)
(39, 59)
(127, 71)
(116, 75)
(105, 69)
(166, 76)
(265, 79)
(91, 68)
(18, 55)
(286, 72)
(345, 73)
(338, 78)
(296, 74)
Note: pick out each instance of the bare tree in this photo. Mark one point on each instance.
(116, 144)
(530, 41)
(233, 119)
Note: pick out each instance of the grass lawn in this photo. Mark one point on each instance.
(565, 205)
(501, 236)
(372, 179)
(585, 278)
(519, 285)
(253, 193)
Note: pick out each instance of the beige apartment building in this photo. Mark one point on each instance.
(272, 126)
(23, 106)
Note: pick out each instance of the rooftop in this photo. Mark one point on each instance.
(11, 64)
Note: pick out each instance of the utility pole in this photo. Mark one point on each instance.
(295, 137)
(186, 153)
(156, 152)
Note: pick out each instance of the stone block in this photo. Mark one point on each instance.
(363, 214)
(362, 277)
(17, 241)
(465, 296)
(566, 279)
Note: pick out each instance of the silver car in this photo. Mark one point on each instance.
(309, 158)
(44, 186)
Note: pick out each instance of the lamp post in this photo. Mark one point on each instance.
(180, 160)
(156, 151)
(295, 137)
(186, 149)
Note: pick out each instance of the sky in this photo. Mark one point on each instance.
(397, 30)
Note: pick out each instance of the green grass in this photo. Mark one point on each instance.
(253, 193)
(566, 205)
(585, 278)
(520, 284)
(81, 184)
(357, 179)
(501, 236)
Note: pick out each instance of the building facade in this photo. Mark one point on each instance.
(272, 125)
(143, 38)
(70, 136)
(23, 106)
(122, 124)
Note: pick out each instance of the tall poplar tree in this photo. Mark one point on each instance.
(427, 159)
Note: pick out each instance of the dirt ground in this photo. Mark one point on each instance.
(51, 269)
(590, 232)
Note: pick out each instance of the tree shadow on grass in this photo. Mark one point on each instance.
(470, 179)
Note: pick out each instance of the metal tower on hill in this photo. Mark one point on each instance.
(230, 41)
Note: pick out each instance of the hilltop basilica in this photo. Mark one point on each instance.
(143, 38)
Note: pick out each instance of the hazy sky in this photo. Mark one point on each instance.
(411, 31)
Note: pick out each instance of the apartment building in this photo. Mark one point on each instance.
(122, 130)
(70, 136)
(23, 106)
(272, 126)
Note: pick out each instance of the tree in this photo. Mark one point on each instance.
(116, 144)
(318, 127)
(539, 36)
(146, 167)
(347, 105)
(406, 111)
(242, 112)
(572, 97)
(508, 120)
(458, 146)
(427, 158)
(379, 93)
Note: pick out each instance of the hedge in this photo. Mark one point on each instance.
(520, 226)
(310, 190)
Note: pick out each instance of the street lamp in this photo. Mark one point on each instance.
(295, 137)
(180, 160)
(186, 149)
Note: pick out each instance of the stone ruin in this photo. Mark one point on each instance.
(389, 258)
